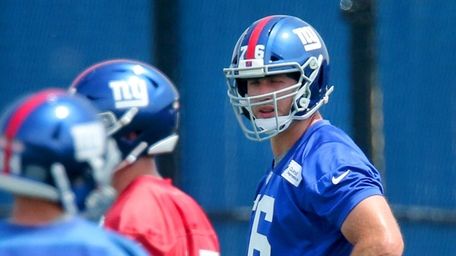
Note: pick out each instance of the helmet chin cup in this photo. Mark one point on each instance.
(271, 125)
(124, 120)
(67, 197)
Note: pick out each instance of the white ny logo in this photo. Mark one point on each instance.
(130, 93)
(308, 38)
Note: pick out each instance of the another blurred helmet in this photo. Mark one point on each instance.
(138, 104)
(54, 147)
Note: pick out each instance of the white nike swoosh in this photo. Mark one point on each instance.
(336, 180)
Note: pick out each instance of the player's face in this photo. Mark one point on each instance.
(266, 86)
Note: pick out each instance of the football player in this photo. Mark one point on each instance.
(57, 162)
(321, 196)
(140, 108)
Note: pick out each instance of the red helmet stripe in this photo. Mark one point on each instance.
(17, 118)
(253, 40)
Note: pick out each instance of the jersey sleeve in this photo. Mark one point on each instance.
(163, 219)
(345, 179)
(155, 224)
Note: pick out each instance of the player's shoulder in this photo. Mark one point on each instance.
(326, 149)
(320, 133)
(6, 231)
(324, 132)
(76, 234)
(148, 184)
(327, 142)
(166, 204)
(156, 189)
(141, 189)
(185, 202)
(4, 225)
(189, 210)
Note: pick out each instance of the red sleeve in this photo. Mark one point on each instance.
(200, 233)
(162, 218)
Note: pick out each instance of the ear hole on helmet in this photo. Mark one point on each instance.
(321, 78)
(132, 135)
(321, 83)
(241, 86)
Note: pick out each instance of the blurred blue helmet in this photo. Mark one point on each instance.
(54, 147)
(273, 45)
(138, 104)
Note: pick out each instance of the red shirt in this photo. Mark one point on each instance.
(164, 219)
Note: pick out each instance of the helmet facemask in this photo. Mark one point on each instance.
(142, 147)
(243, 105)
(100, 197)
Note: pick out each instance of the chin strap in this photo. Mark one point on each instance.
(124, 120)
(273, 124)
(166, 145)
(320, 103)
(67, 197)
(98, 202)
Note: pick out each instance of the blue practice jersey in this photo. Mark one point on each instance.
(70, 237)
(302, 202)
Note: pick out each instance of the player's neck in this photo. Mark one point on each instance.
(142, 166)
(31, 211)
(283, 141)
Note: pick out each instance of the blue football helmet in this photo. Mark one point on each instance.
(274, 45)
(138, 104)
(53, 146)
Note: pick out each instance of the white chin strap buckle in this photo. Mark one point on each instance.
(271, 124)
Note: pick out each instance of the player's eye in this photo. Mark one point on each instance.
(253, 82)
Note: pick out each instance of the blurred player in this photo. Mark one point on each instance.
(55, 159)
(139, 105)
(321, 195)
